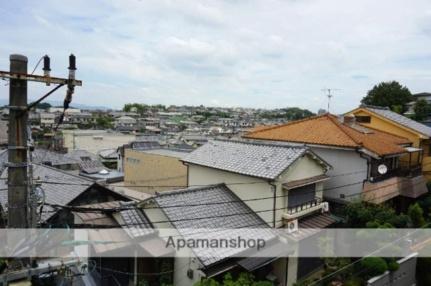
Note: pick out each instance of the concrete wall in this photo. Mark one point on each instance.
(348, 172)
(161, 171)
(404, 276)
(94, 140)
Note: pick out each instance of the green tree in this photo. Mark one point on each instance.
(104, 122)
(416, 215)
(374, 265)
(389, 94)
(244, 279)
(422, 109)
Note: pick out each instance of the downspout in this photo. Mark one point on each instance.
(368, 166)
(187, 166)
(274, 191)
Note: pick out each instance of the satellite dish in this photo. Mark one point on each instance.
(382, 169)
(104, 172)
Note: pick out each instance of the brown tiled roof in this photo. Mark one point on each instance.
(326, 129)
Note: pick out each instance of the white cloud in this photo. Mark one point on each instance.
(252, 53)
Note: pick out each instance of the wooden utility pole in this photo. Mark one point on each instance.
(18, 198)
(20, 205)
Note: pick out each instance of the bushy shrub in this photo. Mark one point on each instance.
(374, 266)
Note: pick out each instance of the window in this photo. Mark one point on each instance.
(363, 119)
(301, 195)
(133, 160)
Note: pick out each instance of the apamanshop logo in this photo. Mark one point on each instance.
(235, 243)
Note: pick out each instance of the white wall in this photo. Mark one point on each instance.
(182, 262)
(246, 187)
(343, 163)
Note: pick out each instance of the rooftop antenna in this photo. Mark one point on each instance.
(329, 95)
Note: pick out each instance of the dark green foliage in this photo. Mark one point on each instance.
(289, 113)
(374, 266)
(43, 105)
(244, 279)
(142, 108)
(104, 122)
(389, 94)
(393, 264)
(421, 109)
(425, 203)
(361, 215)
(416, 215)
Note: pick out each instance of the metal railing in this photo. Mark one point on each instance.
(304, 206)
(409, 172)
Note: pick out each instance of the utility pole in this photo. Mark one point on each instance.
(21, 212)
(18, 197)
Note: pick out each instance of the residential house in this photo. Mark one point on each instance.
(94, 140)
(417, 96)
(151, 170)
(115, 263)
(61, 188)
(125, 123)
(366, 162)
(384, 119)
(47, 119)
(213, 207)
(282, 184)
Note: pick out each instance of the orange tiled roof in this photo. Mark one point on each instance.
(328, 130)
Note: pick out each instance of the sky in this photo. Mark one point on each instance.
(261, 54)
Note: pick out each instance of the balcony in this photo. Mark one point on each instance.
(406, 182)
(299, 210)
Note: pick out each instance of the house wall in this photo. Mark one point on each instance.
(160, 171)
(247, 187)
(94, 140)
(348, 172)
(182, 262)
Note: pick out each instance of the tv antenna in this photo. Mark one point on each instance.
(329, 95)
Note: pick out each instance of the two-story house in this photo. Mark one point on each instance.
(282, 184)
(366, 162)
(384, 119)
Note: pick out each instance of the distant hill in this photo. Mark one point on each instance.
(60, 103)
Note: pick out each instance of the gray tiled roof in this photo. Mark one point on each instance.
(136, 223)
(402, 120)
(60, 187)
(253, 159)
(220, 208)
(53, 158)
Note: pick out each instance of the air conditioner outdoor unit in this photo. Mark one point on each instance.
(325, 207)
(292, 226)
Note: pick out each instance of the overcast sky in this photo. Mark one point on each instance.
(223, 53)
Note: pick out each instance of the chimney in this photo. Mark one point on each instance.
(349, 119)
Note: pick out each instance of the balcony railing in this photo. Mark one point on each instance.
(399, 172)
(303, 206)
